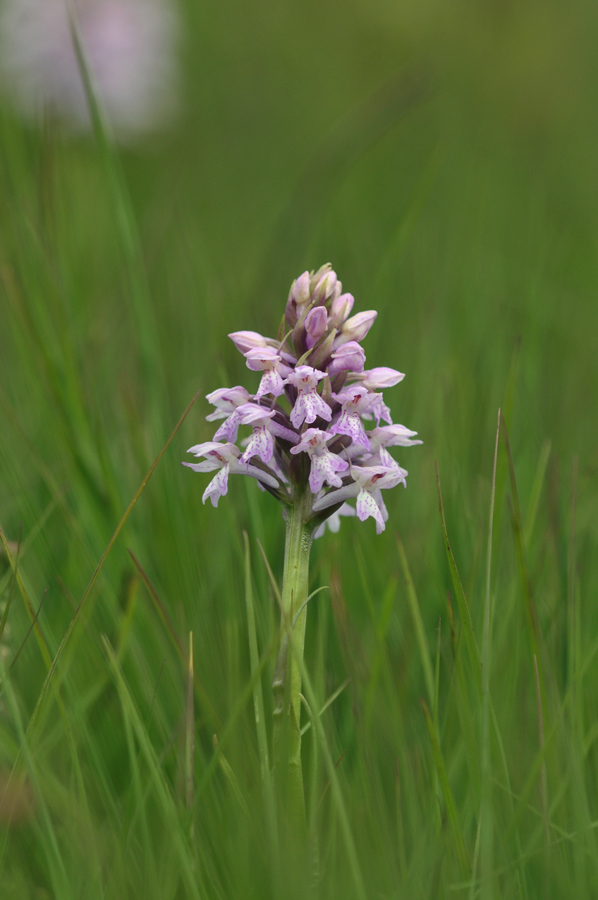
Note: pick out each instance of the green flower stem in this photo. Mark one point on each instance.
(287, 677)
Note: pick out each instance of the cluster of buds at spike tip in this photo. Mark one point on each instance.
(309, 413)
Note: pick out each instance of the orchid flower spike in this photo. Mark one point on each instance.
(310, 431)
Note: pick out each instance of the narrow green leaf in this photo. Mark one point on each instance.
(420, 634)
(449, 801)
(258, 705)
(43, 693)
(470, 640)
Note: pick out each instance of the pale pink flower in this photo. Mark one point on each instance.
(265, 428)
(378, 410)
(268, 361)
(325, 286)
(324, 464)
(226, 400)
(355, 401)
(225, 458)
(299, 298)
(371, 480)
(309, 404)
(368, 482)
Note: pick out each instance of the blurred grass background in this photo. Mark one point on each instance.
(443, 159)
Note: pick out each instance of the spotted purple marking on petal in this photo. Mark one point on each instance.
(351, 426)
(229, 429)
(217, 487)
(271, 383)
(366, 507)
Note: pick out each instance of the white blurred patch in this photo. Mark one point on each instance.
(130, 48)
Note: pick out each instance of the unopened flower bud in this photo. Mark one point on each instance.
(317, 276)
(249, 340)
(300, 291)
(356, 328)
(341, 308)
(316, 324)
(324, 287)
(299, 298)
(380, 378)
(321, 354)
(347, 358)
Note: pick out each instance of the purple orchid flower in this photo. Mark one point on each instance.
(324, 464)
(319, 343)
(225, 458)
(309, 404)
(355, 401)
(265, 429)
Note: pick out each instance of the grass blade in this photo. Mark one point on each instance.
(486, 810)
(470, 639)
(420, 634)
(98, 569)
(449, 800)
(258, 706)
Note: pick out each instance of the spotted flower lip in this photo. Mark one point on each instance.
(368, 481)
(355, 401)
(227, 402)
(378, 409)
(325, 465)
(309, 405)
(265, 428)
(320, 431)
(268, 361)
(371, 480)
(255, 415)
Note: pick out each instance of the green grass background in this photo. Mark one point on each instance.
(443, 158)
